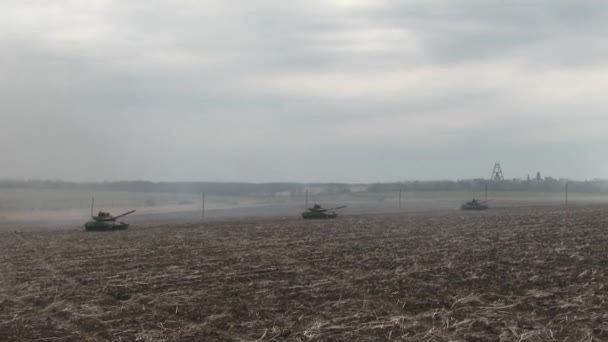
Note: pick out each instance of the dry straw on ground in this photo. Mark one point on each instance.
(506, 275)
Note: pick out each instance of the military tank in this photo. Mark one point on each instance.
(474, 205)
(104, 221)
(318, 212)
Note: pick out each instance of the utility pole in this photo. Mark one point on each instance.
(400, 192)
(203, 208)
(486, 192)
(567, 192)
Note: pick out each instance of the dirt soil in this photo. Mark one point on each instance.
(502, 275)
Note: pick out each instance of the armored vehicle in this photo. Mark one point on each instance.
(474, 205)
(104, 221)
(318, 212)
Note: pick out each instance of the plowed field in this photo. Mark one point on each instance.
(504, 275)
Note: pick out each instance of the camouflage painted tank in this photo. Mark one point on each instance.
(474, 205)
(104, 221)
(318, 212)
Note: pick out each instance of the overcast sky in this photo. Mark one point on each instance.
(275, 90)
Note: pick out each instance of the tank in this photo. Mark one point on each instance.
(105, 226)
(474, 205)
(104, 221)
(318, 212)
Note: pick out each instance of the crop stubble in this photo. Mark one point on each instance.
(506, 275)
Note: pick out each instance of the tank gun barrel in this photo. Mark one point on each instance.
(320, 210)
(125, 214)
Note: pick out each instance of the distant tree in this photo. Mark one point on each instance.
(538, 177)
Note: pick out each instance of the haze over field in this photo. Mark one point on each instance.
(308, 91)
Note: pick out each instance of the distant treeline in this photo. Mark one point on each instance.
(211, 188)
(239, 189)
(544, 185)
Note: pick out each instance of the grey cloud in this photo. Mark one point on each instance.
(458, 31)
(184, 90)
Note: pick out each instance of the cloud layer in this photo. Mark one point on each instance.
(302, 90)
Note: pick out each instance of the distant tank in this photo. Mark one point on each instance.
(474, 205)
(105, 222)
(318, 212)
